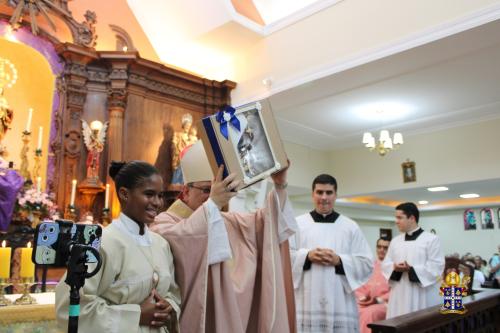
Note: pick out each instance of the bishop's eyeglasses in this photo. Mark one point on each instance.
(205, 190)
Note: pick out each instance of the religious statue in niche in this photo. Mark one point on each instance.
(180, 141)
(469, 220)
(8, 77)
(94, 137)
(487, 218)
(409, 172)
(6, 116)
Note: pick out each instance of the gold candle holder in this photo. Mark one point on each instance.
(26, 298)
(24, 155)
(4, 283)
(36, 167)
(70, 213)
(106, 218)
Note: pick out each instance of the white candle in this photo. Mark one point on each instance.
(28, 123)
(73, 192)
(39, 184)
(106, 197)
(40, 135)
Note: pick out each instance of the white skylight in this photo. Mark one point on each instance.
(274, 10)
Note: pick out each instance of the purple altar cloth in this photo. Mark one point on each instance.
(10, 184)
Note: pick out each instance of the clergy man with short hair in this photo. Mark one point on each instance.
(330, 259)
(413, 265)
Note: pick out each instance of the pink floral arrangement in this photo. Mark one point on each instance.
(31, 201)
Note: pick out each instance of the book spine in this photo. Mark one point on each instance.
(212, 138)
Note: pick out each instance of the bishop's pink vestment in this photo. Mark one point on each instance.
(251, 292)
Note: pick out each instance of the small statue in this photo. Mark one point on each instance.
(94, 137)
(88, 218)
(180, 141)
(6, 116)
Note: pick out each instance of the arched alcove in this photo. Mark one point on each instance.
(34, 89)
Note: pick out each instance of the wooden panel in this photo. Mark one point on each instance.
(144, 102)
(482, 315)
(144, 123)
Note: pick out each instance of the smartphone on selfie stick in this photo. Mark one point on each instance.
(65, 244)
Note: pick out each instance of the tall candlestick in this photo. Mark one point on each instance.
(5, 261)
(28, 123)
(106, 197)
(27, 266)
(73, 192)
(40, 136)
(39, 184)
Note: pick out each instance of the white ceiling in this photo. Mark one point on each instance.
(452, 81)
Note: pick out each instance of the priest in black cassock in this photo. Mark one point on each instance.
(413, 265)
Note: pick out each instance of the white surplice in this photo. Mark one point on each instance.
(426, 257)
(325, 300)
(110, 300)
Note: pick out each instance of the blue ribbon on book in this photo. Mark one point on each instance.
(225, 116)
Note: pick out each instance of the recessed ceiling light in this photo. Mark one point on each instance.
(423, 202)
(387, 110)
(469, 195)
(437, 189)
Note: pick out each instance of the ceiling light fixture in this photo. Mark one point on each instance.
(423, 202)
(469, 195)
(437, 189)
(385, 144)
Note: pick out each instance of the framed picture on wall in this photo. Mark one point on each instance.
(469, 219)
(487, 218)
(409, 172)
(385, 233)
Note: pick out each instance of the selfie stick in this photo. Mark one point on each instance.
(77, 273)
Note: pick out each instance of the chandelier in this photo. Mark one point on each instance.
(385, 144)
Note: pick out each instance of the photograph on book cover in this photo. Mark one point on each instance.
(253, 148)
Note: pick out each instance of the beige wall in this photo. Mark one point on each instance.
(306, 163)
(459, 154)
(34, 89)
(449, 227)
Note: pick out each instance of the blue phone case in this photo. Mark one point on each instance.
(52, 238)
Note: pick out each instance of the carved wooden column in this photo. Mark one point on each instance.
(75, 79)
(117, 103)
